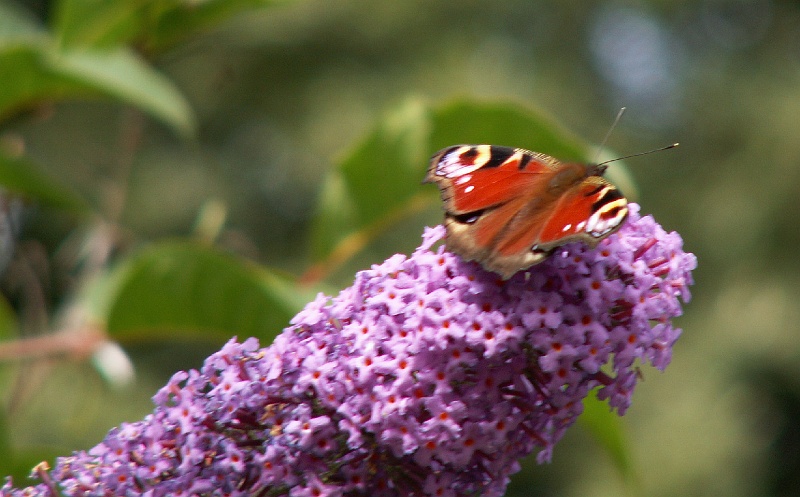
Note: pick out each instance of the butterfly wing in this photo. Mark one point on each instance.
(473, 178)
(485, 189)
(509, 208)
(588, 212)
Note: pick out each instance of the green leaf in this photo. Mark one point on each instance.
(26, 80)
(16, 23)
(378, 182)
(177, 20)
(97, 23)
(179, 289)
(32, 71)
(155, 25)
(22, 176)
(18, 461)
(6, 462)
(607, 429)
(8, 321)
(121, 74)
(375, 180)
(471, 122)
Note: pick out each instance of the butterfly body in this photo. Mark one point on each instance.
(509, 208)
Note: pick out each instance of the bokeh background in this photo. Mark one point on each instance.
(281, 94)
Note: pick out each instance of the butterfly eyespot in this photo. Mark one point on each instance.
(468, 218)
(469, 154)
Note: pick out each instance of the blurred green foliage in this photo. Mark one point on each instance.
(197, 169)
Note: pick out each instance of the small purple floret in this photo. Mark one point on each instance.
(429, 376)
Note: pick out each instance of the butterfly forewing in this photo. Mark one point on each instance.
(478, 177)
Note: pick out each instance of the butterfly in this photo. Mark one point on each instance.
(510, 208)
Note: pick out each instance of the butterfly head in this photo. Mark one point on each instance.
(596, 169)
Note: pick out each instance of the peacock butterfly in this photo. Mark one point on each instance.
(510, 208)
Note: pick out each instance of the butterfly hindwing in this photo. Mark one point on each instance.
(477, 240)
(588, 212)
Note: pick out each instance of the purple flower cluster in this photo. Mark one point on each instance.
(429, 376)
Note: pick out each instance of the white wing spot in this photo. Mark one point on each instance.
(450, 166)
(469, 188)
(566, 228)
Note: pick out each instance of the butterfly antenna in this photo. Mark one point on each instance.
(608, 134)
(640, 153)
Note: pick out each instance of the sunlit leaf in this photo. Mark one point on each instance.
(97, 23)
(375, 179)
(190, 291)
(33, 71)
(121, 74)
